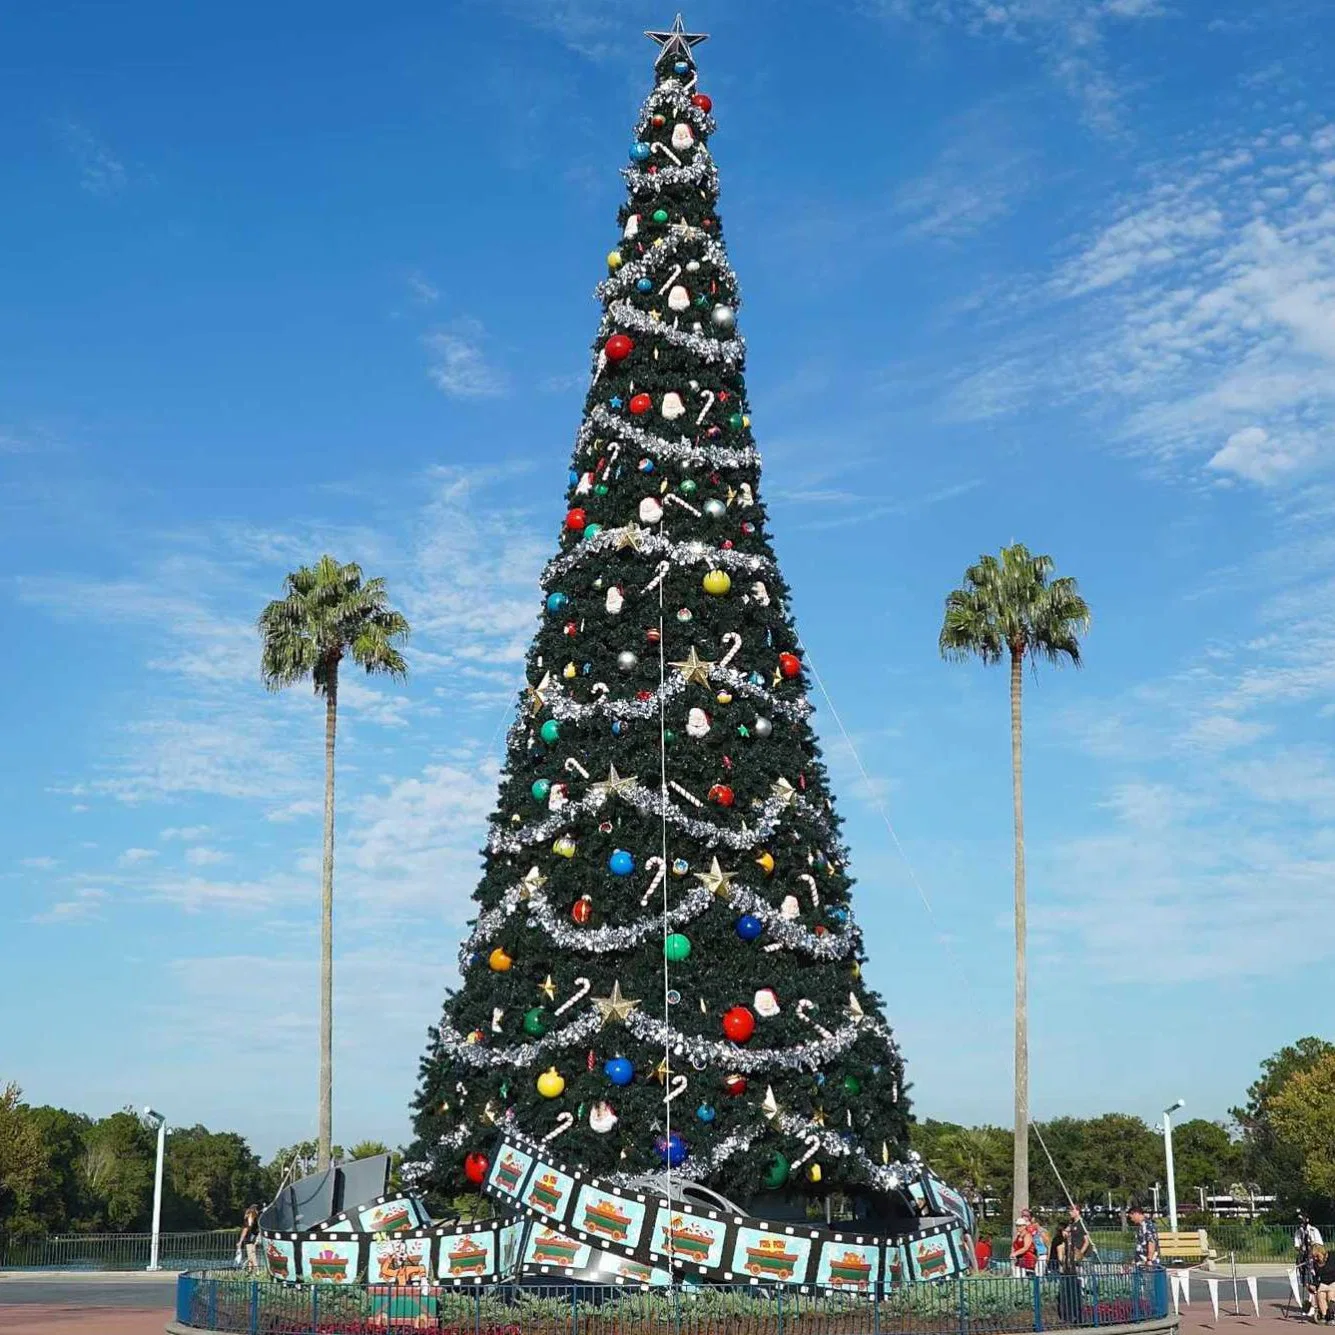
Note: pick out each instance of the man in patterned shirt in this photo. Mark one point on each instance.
(1147, 1237)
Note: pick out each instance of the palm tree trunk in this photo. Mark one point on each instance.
(1021, 1161)
(326, 1136)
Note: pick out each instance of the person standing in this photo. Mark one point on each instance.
(1069, 1253)
(247, 1245)
(1147, 1238)
(982, 1255)
(1022, 1250)
(1306, 1239)
(1077, 1240)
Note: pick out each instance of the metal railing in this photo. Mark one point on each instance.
(118, 1251)
(972, 1305)
(1250, 1243)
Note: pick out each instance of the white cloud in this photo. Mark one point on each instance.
(187, 834)
(39, 863)
(132, 856)
(100, 171)
(82, 906)
(459, 365)
(200, 856)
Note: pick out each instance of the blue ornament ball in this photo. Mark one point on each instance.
(617, 727)
(557, 601)
(620, 863)
(705, 1113)
(619, 1071)
(748, 927)
(574, 477)
(646, 465)
(641, 285)
(756, 679)
(681, 67)
(671, 1149)
(640, 151)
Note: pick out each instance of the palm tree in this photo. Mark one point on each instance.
(1013, 607)
(326, 615)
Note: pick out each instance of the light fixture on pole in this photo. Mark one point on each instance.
(1168, 1157)
(158, 1121)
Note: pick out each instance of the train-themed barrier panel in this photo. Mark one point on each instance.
(555, 1222)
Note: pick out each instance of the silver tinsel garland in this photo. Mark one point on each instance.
(651, 802)
(671, 96)
(679, 236)
(607, 706)
(700, 172)
(683, 450)
(722, 1054)
(621, 315)
(657, 545)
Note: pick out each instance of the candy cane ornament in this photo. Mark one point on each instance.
(681, 792)
(677, 1084)
(660, 875)
(563, 1124)
(672, 278)
(806, 1008)
(581, 991)
(735, 642)
(572, 766)
(815, 893)
(704, 412)
(685, 505)
(659, 576)
(666, 152)
(598, 690)
(813, 1145)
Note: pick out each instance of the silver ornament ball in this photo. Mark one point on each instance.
(763, 727)
(724, 317)
(692, 266)
(627, 661)
(715, 509)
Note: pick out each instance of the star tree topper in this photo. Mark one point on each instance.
(675, 42)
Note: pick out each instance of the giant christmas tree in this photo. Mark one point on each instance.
(665, 965)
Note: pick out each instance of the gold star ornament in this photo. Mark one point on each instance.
(548, 988)
(694, 668)
(631, 536)
(615, 785)
(716, 880)
(537, 695)
(615, 1007)
(534, 880)
(784, 791)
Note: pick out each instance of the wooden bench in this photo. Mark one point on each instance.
(1189, 1245)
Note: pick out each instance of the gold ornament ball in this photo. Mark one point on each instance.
(499, 961)
(813, 1172)
(551, 1083)
(614, 260)
(717, 582)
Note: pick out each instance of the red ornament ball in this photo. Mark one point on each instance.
(572, 628)
(739, 1024)
(721, 794)
(704, 102)
(576, 519)
(653, 634)
(658, 120)
(640, 404)
(789, 665)
(618, 348)
(582, 910)
(734, 1085)
(475, 1168)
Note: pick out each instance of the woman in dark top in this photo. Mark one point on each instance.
(1322, 1286)
(247, 1245)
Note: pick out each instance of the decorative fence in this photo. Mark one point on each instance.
(978, 1305)
(119, 1251)
(1248, 1242)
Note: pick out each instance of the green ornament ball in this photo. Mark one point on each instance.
(677, 948)
(687, 486)
(852, 1085)
(550, 731)
(669, 736)
(735, 421)
(541, 789)
(777, 1172)
(592, 530)
(600, 489)
(660, 216)
(535, 1022)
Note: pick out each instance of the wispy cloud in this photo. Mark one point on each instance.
(82, 906)
(133, 856)
(1068, 35)
(459, 365)
(101, 172)
(590, 28)
(39, 863)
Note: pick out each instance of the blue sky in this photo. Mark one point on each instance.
(305, 278)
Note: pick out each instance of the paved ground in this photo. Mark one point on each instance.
(89, 1304)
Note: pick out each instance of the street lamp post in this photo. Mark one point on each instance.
(156, 1119)
(1168, 1156)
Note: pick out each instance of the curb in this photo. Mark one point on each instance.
(88, 1276)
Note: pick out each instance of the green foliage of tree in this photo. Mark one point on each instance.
(1302, 1114)
(23, 1155)
(210, 1178)
(328, 614)
(62, 1198)
(1204, 1156)
(118, 1159)
(1013, 608)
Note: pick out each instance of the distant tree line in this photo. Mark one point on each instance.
(62, 1172)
